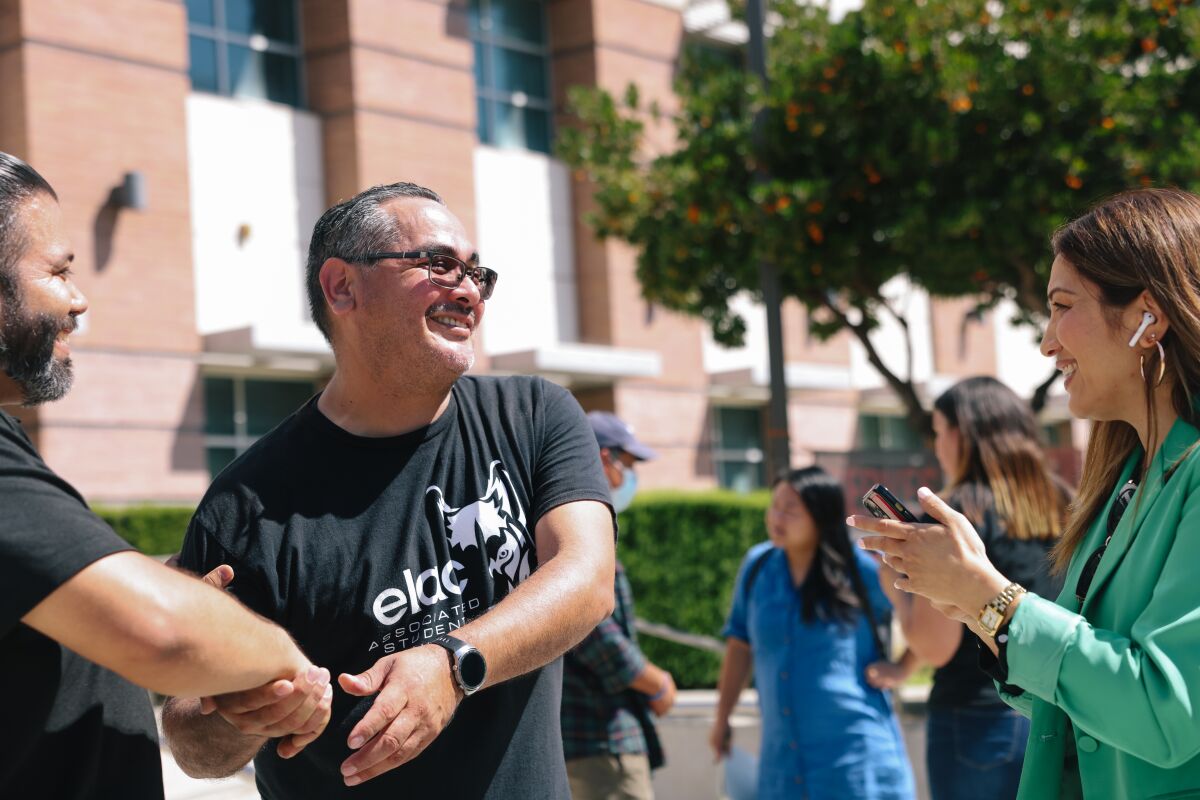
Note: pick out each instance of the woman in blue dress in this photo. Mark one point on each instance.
(798, 620)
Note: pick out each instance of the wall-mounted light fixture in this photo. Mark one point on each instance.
(132, 192)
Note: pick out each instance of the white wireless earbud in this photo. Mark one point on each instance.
(1147, 320)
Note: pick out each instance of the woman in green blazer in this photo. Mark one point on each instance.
(1110, 670)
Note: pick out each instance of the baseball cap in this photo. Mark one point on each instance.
(613, 433)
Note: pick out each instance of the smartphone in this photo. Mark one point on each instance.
(880, 501)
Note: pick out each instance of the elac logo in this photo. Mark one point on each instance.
(393, 603)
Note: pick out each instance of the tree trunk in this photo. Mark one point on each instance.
(918, 418)
(1038, 401)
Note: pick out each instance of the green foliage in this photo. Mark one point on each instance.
(682, 552)
(155, 530)
(944, 140)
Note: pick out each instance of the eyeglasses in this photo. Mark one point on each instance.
(443, 270)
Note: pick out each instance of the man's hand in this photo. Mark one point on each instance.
(663, 704)
(417, 696)
(296, 709)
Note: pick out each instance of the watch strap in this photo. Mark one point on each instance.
(459, 650)
(991, 616)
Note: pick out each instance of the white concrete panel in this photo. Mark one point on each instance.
(752, 355)
(524, 225)
(912, 303)
(257, 188)
(1018, 361)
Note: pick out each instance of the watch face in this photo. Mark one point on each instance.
(990, 619)
(472, 668)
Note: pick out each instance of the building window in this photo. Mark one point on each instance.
(512, 73)
(238, 410)
(738, 450)
(881, 432)
(245, 48)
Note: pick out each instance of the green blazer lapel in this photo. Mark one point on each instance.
(1180, 437)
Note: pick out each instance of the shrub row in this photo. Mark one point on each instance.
(155, 530)
(681, 550)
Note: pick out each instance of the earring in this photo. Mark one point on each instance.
(1162, 362)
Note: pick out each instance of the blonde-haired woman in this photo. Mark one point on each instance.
(986, 442)
(1110, 671)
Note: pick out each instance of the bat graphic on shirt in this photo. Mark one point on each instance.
(494, 522)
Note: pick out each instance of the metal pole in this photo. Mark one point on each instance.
(778, 448)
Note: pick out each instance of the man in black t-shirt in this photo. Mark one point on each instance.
(83, 617)
(425, 534)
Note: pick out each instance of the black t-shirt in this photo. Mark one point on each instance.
(71, 729)
(362, 547)
(960, 681)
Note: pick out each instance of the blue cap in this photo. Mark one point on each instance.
(614, 434)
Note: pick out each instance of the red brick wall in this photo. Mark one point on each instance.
(91, 91)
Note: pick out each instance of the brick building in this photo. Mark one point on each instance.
(244, 119)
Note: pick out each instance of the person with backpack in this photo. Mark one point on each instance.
(807, 617)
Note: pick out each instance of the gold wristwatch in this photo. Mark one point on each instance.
(992, 614)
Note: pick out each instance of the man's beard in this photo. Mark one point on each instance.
(27, 353)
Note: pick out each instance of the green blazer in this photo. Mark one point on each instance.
(1117, 682)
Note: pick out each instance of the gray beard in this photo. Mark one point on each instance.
(27, 356)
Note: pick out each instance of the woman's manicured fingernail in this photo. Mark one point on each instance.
(924, 492)
(850, 521)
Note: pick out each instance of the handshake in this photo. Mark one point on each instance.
(295, 710)
(415, 697)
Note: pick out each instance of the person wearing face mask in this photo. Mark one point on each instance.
(610, 689)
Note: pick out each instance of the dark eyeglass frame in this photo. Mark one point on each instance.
(484, 278)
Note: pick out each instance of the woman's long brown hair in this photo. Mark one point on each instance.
(1143, 240)
(1001, 461)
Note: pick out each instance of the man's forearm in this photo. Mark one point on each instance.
(564, 610)
(205, 746)
(650, 680)
(164, 630)
(554, 608)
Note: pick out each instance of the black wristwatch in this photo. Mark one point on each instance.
(469, 666)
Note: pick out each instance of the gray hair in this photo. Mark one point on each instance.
(349, 231)
(18, 183)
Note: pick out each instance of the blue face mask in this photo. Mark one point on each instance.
(622, 496)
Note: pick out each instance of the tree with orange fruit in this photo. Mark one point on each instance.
(941, 140)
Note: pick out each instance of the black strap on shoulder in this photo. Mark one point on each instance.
(756, 567)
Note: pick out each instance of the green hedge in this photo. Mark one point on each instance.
(682, 552)
(155, 530)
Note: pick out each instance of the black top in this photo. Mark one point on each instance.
(71, 729)
(362, 547)
(960, 682)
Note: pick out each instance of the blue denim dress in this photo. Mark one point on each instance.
(827, 734)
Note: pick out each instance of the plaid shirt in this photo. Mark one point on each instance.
(600, 713)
